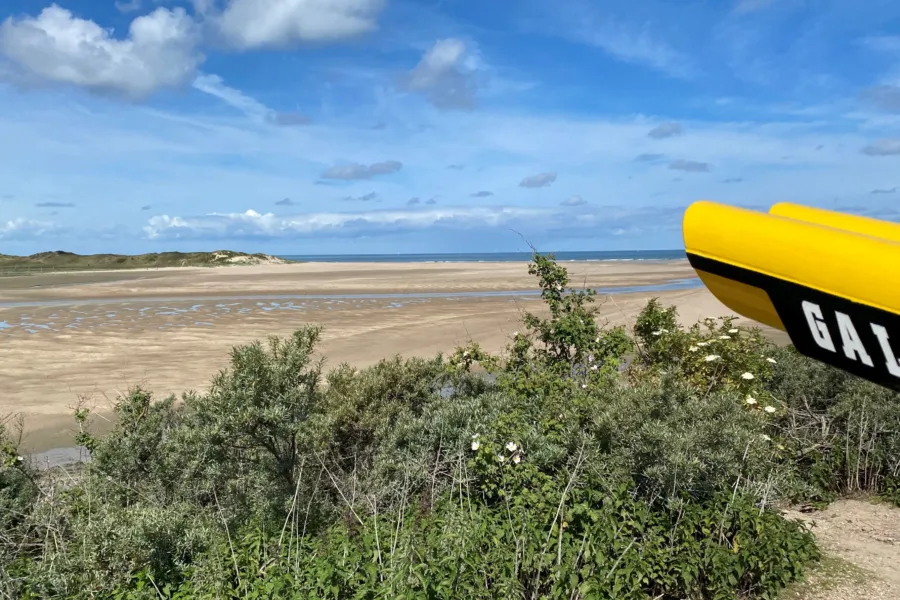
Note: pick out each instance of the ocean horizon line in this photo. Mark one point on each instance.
(567, 256)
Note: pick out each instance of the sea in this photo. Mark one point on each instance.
(463, 257)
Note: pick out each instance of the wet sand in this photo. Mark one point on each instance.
(96, 334)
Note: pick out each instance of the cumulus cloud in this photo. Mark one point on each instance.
(883, 147)
(250, 24)
(285, 202)
(665, 130)
(57, 47)
(690, 166)
(539, 180)
(356, 171)
(431, 201)
(54, 205)
(24, 229)
(574, 200)
(253, 224)
(412, 201)
(482, 194)
(446, 75)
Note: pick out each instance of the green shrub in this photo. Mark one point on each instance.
(560, 474)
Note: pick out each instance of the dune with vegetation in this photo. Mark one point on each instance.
(584, 461)
(60, 260)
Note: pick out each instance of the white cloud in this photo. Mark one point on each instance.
(214, 86)
(24, 229)
(574, 200)
(248, 24)
(446, 75)
(641, 48)
(254, 224)
(57, 47)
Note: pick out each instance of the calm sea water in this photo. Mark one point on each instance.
(491, 256)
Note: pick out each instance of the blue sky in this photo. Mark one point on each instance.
(370, 126)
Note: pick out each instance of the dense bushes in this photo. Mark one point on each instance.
(590, 464)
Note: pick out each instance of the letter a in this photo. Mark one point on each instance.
(853, 346)
(882, 335)
(817, 326)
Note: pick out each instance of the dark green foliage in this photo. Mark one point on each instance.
(556, 476)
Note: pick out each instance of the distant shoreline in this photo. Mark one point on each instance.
(491, 257)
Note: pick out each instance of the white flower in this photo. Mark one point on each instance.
(593, 367)
(732, 331)
(772, 360)
(517, 459)
(769, 409)
(747, 376)
(750, 400)
(724, 337)
(711, 357)
(501, 458)
(465, 352)
(590, 358)
(475, 435)
(511, 446)
(693, 348)
(767, 438)
(584, 386)
(515, 333)
(476, 445)
(657, 333)
(703, 344)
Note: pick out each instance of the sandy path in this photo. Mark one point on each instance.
(49, 355)
(861, 541)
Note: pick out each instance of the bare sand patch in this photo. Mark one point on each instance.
(114, 333)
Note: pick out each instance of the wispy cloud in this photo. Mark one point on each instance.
(690, 166)
(358, 171)
(665, 130)
(883, 147)
(482, 194)
(54, 204)
(574, 200)
(446, 75)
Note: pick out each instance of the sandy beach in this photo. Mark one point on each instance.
(71, 335)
